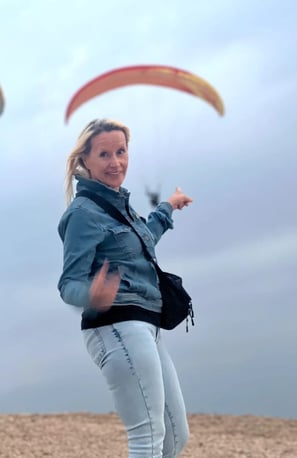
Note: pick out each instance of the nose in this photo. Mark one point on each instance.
(114, 161)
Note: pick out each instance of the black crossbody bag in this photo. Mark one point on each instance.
(176, 302)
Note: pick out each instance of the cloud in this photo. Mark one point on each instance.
(235, 247)
(273, 257)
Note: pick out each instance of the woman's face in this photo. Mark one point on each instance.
(108, 158)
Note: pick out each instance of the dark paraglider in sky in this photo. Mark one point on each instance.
(156, 75)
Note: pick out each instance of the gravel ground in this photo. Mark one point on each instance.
(90, 436)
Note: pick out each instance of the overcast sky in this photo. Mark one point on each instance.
(236, 246)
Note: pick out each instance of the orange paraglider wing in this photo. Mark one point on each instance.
(156, 75)
(2, 101)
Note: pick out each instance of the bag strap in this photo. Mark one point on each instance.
(116, 214)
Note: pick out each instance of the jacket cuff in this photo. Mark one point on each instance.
(165, 210)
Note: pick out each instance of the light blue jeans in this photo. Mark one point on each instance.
(144, 385)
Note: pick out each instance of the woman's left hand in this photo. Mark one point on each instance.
(179, 200)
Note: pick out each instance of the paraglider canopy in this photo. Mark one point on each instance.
(156, 75)
(2, 101)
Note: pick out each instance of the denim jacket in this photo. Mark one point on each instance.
(90, 236)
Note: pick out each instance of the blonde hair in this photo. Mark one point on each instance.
(75, 164)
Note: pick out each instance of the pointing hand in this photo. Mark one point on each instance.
(179, 200)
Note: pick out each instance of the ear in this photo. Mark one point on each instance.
(83, 162)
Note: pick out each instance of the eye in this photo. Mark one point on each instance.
(103, 154)
(121, 151)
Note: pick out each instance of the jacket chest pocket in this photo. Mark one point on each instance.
(126, 241)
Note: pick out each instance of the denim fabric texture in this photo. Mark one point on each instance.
(130, 354)
(90, 236)
(144, 385)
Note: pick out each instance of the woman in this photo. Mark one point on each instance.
(107, 274)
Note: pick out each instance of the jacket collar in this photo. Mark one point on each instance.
(113, 196)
